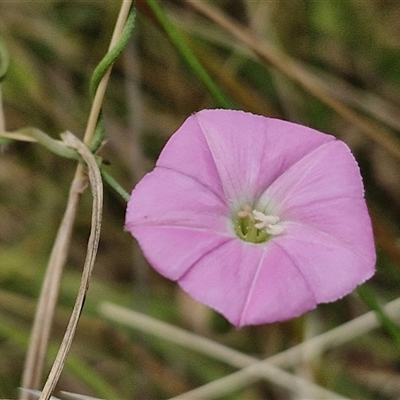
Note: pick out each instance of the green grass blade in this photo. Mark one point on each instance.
(369, 299)
(179, 42)
(75, 365)
(4, 61)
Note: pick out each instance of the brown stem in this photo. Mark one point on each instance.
(34, 362)
(298, 73)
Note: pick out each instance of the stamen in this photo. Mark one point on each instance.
(256, 226)
(265, 220)
(275, 229)
(245, 212)
(268, 222)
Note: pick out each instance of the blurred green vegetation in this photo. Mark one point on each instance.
(351, 46)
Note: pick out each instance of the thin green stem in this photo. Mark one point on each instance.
(55, 146)
(101, 71)
(2, 118)
(387, 323)
(114, 52)
(102, 84)
(115, 185)
(4, 61)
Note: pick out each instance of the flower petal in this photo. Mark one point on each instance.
(237, 154)
(326, 196)
(250, 151)
(331, 268)
(169, 198)
(313, 178)
(173, 251)
(187, 152)
(176, 220)
(249, 284)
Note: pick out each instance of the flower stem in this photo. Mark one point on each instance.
(55, 146)
(115, 185)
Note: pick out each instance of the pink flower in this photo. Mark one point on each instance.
(260, 219)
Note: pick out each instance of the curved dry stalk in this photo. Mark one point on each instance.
(298, 73)
(37, 350)
(34, 362)
(97, 191)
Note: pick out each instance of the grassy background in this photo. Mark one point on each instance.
(351, 48)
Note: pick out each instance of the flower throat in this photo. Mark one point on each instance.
(256, 227)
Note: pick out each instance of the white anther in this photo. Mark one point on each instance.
(276, 229)
(268, 222)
